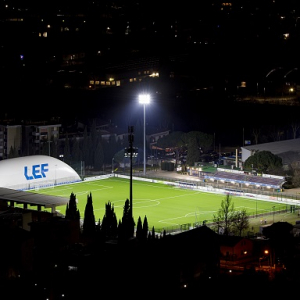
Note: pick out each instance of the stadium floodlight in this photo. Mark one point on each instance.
(144, 99)
(128, 151)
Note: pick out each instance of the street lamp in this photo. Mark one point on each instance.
(112, 165)
(144, 99)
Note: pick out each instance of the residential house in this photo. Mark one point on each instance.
(235, 250)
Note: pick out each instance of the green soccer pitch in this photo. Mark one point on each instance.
(165, 206)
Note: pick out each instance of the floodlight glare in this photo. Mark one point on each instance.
(144, 98)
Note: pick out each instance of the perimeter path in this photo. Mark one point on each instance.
(172, 174)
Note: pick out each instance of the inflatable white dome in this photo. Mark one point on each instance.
(35, 171)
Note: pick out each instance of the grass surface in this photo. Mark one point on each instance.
(164, 205)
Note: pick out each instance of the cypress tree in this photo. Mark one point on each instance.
(72, 213)
(109, 226)
(139, 229)
(127, 221)
(89, 225)
(145, 228)
(153, 233)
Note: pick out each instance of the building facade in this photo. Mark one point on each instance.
(21, 140)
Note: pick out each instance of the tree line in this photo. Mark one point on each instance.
(227, 221)
(109, 228)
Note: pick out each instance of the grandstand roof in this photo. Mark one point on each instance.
(272, 182)
(23, 197)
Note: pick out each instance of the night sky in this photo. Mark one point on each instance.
(215, 49)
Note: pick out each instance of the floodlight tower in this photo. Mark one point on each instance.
(130, 140)
(144, 99)
(130, 152)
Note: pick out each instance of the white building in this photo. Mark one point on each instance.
(288, 150)
(34, 172)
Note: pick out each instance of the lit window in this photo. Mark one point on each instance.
(154, 74)
(286, 36)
